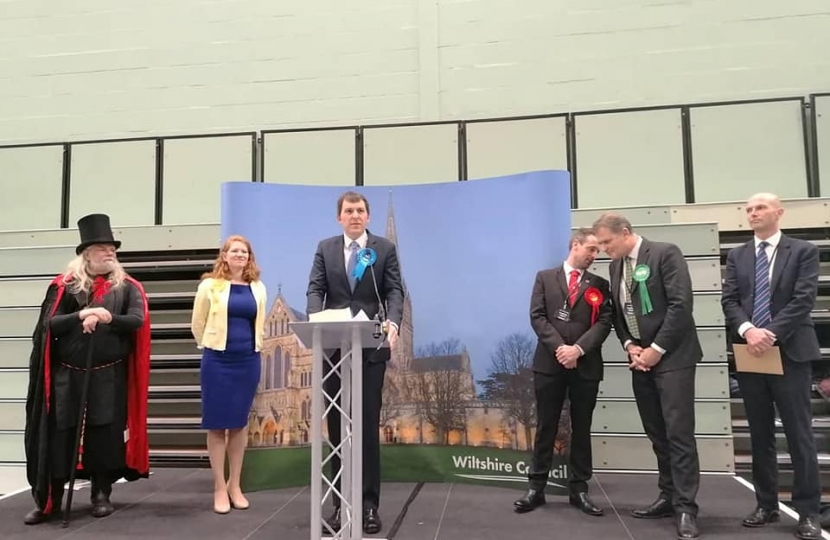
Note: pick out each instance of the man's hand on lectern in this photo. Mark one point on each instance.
(392, 332)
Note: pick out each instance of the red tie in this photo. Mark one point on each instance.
(573, 287)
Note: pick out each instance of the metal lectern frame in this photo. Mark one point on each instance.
(350, 337)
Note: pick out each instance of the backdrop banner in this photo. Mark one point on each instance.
(458, 399)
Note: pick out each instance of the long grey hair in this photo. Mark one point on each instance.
(78, 277)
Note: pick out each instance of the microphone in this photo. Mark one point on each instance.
(380, 316)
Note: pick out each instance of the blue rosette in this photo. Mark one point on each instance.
(366, 257)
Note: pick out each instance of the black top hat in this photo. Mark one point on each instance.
(95, 229)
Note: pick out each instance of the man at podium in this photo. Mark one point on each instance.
(360, 271)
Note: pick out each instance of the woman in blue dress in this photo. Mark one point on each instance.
(228, 324)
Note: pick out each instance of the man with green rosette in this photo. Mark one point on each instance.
(652, 289)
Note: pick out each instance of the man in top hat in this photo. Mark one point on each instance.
(89, 367)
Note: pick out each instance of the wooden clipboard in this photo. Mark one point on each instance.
(768, 363)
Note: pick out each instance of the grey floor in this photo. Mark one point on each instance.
(176, 504)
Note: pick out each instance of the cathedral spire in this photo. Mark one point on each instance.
(391, 232)
(404, 352)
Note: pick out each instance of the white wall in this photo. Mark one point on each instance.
(107, 68)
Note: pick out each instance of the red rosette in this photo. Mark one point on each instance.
(594, 298)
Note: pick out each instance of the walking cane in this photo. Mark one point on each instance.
(79, 433)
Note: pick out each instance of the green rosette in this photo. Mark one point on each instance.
(640, 275)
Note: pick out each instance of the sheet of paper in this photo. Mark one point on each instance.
(768, 363)
(331, 315)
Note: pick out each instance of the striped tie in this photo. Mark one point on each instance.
(630, 319)
(760, 312)
(573, 287)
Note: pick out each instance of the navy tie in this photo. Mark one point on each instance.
(761, 310)
(352, 263)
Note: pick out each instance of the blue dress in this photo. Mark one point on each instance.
(229, 378)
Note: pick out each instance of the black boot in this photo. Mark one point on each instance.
(36, 516)
(100, 497)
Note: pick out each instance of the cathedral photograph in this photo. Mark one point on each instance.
(430, 396)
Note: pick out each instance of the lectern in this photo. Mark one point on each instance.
(351, 337)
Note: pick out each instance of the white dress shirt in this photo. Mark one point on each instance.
(347, 242)
(624, 294)
(771, 251)
(361, 240)
(568, 269)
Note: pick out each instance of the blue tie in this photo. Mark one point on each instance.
(352, 263)
(760, 312)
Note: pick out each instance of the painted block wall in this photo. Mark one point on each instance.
(90, 69)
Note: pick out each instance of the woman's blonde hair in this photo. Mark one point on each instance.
(221, 270)
(77, 277)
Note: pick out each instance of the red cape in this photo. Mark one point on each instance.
(40, 389)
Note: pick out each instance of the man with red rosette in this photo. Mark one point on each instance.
(89, 369)
(571, 313)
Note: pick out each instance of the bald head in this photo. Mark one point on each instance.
(763, 212)
(769, 198)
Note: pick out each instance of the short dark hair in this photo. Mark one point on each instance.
(352, 197)
(580, 235)
(614, 222)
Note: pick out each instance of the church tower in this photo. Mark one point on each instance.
(404, 351)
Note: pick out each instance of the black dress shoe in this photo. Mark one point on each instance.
(687, 527)
(36, 516)
(584, 503)
(531, 500)
(333, 520)
(809, 528)
(658, 509)
(760, 517)
(371, 521)
(101, 506)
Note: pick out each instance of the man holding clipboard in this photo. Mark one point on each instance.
(769, 290)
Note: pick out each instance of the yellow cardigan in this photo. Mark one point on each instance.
(209, 323)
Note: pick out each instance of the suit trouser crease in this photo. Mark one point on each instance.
(373, 375)
(665, 400)
(791, 394)
(551, 391)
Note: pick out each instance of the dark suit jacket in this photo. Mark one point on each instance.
(793, 289)
(328, 285)
(549, 294)
(670, 324)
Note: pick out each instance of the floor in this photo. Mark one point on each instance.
(177, 504)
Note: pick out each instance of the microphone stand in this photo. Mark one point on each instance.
(380, 316)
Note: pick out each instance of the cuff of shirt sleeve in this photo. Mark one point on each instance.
(744, 327)
(658, 348)
(581, 352)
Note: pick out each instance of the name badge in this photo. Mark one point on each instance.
(563, 314)
(629, 308)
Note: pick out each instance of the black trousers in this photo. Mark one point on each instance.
(551, 391)
(666, 402)
(101, 482)
(373, 375)
(791, 394)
